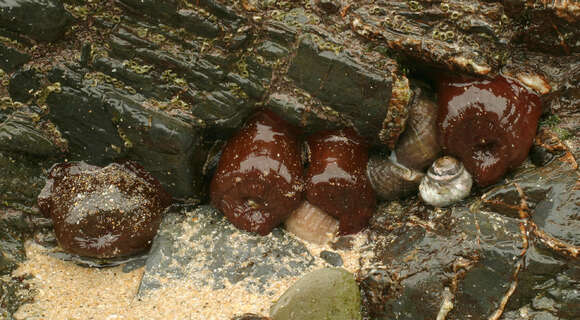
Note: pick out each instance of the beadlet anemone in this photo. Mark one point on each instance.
(103, 212)
(336, 179)
(258, 181)
(488, 124)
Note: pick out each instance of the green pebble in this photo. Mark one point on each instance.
(324, 294)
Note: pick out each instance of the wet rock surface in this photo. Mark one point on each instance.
(15, 227)
(43, 20)
(468, 261)
(159, 82)
(204, 247)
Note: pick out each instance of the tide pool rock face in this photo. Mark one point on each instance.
(201, 246)
(329, 293)
(43, 20)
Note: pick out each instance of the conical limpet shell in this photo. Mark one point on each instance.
(310, 223)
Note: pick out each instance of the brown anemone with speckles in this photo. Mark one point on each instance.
(103, 212)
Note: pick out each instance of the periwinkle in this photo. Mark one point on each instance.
(446, 182)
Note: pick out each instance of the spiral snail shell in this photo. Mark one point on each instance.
(391, 180)
(418, 147)
(445, 183)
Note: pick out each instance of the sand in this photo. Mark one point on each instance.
(69, 291)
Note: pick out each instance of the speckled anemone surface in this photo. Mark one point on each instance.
(103, 212)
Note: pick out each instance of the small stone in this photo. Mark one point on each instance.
(329, 293)
(332, 258)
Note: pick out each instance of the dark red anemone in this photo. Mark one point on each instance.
(258, 181)
(488, 124)
(336, 179)
(103, 212)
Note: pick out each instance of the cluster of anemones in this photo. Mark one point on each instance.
(261, 178)
(266, 176)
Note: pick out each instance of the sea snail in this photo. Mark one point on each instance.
(445, 183)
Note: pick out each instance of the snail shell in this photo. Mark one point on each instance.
(446, 182)
(391, 180)
(310, 223)
(418, 147)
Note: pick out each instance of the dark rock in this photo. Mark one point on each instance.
(272, 50)
(167, 147)
(160, 9)
(23, 83)
(309, 117)
(357, 91)
(103, 124)
(197, 24)
(333, 258)
(551, 193)
(86, 124)
(203, 247)
(470, 255)
(21, 178)
(329, 6)
(20, 133)
(11, 58)
(16, 229)
(43, 20)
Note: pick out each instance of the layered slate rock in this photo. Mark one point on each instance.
(21, 178)
(103, 123)
(203, 247)
(358, 91)
(13, 292)
(19, 133)
(12, 58)
(43, 20)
